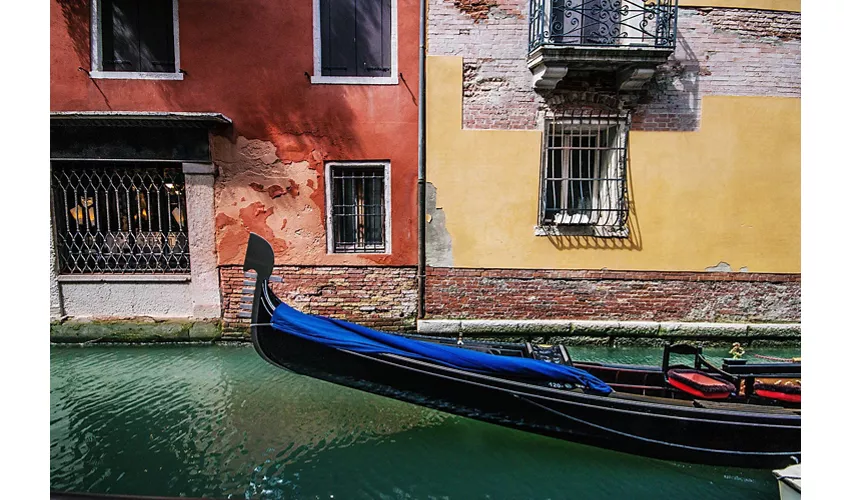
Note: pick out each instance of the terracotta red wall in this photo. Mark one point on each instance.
(250, 60)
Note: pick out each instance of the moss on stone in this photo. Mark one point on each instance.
(134, 331)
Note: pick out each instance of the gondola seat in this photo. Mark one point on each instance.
(781, 392)
(699, 384)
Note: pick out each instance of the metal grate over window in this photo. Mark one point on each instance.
(584, 170)
(120, 217)
(359, 210)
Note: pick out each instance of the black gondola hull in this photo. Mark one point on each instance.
(691, 431)
(673, 432)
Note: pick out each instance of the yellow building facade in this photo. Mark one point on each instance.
(712, 175)
(728, 192)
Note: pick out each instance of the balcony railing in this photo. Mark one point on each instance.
(597, 23)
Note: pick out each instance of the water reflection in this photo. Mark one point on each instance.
(218, 421)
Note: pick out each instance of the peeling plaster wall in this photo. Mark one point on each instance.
(257, 192)
(281, 200)
(438, 241)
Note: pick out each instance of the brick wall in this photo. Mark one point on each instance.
(611, 295)
(380, 297)
(718, 52)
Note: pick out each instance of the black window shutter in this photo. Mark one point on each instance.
(374, 32)
(120, 34)
(356, 37)
(156, 35)
(338, 37)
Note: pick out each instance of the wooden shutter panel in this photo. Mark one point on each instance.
(373, 35)
(338, 37)
(156, 35)
(120, 35)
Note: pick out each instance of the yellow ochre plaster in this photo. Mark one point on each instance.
(786, 5)
(729, 192)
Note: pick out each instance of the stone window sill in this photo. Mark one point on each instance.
(581, 230)
(123, 278)
(134, 75)
(354, 80)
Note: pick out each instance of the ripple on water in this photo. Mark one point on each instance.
(218, 421)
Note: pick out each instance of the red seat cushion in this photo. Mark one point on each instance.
(780, 392)
(699, 384)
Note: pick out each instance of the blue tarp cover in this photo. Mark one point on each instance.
(352, 337)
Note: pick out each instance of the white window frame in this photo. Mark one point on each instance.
(388, 225)
(318, 79)
(580, 224)
(97, 52)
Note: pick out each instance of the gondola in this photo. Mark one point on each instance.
(540, 389)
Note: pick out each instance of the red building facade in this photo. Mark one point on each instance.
(310, 119)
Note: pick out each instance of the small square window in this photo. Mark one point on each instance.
(355, 41)
(358, 217)
(135, 39)
(584, 173)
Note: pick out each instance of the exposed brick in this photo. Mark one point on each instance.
(380, 297)
(719, 52)
(612, 295)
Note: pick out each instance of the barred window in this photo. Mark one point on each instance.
(358, 218)
(120, 217)
(584, 170)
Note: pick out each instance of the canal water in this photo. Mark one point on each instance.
(218, 421)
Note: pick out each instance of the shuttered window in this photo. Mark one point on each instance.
(356, 37)
(137, 36)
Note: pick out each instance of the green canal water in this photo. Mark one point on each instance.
(217, 421)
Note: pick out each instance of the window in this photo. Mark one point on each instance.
(584, 172)
(358, 198)
(119, 217)
(355, 41)
(135, 39)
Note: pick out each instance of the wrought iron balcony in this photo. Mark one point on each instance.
(631, 36)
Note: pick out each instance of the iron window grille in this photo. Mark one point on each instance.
(584, 170)
(648, 23)
(358, 215)
(120, 217)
